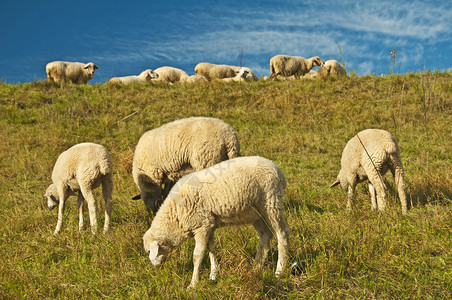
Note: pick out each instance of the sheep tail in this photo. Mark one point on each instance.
(233, 148)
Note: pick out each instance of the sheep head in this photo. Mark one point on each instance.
(91, 68)
(317, 61)
(52, 196)
(341, 180)
(158, 250)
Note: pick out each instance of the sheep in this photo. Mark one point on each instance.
(75, 72)
(145, 76)
(332, 67)
(213, 71)
(239, 191)
(292, 65)
(241, 75)
(195, 79)
(82, 168)
(313, 74)
(170, 75)
(369, 155)
(250, 76)
(165, 154)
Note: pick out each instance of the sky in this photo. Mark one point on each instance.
(127, 37)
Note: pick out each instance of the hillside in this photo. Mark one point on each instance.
(301, 125)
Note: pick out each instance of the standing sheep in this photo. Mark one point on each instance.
(292, 65)
(333, 68)
(369, 155)
(165, 154)
(170, 75)
(244, 190)
(82, 168)
(145, 76)
(213, 71)
(75, 72)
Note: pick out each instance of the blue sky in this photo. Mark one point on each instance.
(126, 37)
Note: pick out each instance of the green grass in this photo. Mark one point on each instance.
(301, 125)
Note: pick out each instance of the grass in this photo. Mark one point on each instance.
(301, 125)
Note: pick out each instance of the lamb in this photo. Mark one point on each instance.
(195, 79)
(313, 74)
(241, 75)
(82, 168)
(165, 154)
(292, 65)
(332, 67)
(243, 190)
(170, 75)
(75, 72)
(250, 76)
(145, 76)
(369, 155)
(213, 71)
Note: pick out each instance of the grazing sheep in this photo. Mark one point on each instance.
(243, 190)
(170, 75)
(75, 72)
(195, 79)
(82, 168)
(213, 71)
(333, 68)
(241, 75)
(165, 154)
(369, 155)
(292, 65)
(145, 76)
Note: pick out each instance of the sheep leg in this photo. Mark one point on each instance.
(92, 207)
(373, 196)
(350, 193)
(63, 194)
(107, 189)
(375, 178)
(265, 235)
(201, 240)
(281, 229)
(213, 258)
(80, 201)
(400, 183)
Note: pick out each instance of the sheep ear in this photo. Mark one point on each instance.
(153, 249)
(96, 67)
(137, 197)
(335, 183)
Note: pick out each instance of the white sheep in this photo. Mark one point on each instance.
(333, 68)
(313, 74)
(243, 190)
(170, 75)
(195, 79)
(75, 72)
(145, 76)
(165, 154)
(241, 75)
(286, 65)
(214, 71)
(369, 155)
(250, 76)
(81, 169)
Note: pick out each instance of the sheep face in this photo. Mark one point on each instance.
(91, 68)
(341, 180)
(158, 251)
(317, 62)
(52, 196)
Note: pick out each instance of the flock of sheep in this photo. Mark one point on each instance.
(281, 66)
(193, 180)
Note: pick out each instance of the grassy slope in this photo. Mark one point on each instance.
(302, 126)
